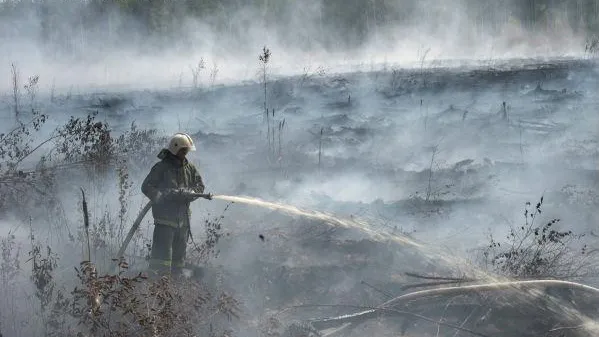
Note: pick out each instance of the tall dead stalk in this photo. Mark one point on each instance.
(86, 225)
(264, 58)
(320, 150)
(15, 87)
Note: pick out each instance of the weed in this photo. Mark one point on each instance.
(533, 251)
(264, 58)
(422, 61)
(86, 224)
(520, 141)
(52, 90)
(433, 192)
(320, 150)
(42, 276)
(399, 84)
(271, 326)
(395, 82)
(195, 72)
(136, 148)
(280, 131)
(213, 73)
(202, 253)
(58, 323)
(275, 134)
(32, 88)
(15, 88)
(429, 192)
(10, 268)
(118, 305)
(426, 114)
(10, 265)
(308, 74)
(591, 46)
(15, 146)
(124, 187)
(504, 111)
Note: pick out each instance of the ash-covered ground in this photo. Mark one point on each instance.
(443, 156)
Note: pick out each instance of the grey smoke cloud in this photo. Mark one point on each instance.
(99, 49)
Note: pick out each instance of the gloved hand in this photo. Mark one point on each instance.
(171, 194)
(179, 195)
(158, 197)
(188, 194)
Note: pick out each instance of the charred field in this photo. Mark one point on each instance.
(409, 179)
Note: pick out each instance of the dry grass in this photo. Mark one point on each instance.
(540, 251)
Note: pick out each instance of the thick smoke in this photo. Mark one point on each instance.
(428, 153)
(127, 43)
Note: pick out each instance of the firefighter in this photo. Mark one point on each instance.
(169, 186)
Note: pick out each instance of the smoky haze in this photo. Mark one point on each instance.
(445, 156)
(154, 44)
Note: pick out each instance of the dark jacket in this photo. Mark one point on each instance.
(171, 173)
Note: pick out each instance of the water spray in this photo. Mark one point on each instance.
(529, 289)
(316, 215)
(534, 287)
(429, 252)
(289, 209)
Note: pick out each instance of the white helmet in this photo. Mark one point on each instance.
(180, 141)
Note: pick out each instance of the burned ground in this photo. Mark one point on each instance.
(432, 156)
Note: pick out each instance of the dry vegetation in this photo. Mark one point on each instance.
(527, 288)
(41, 295)
(540, 251)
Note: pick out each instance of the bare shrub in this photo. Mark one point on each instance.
(32, 88)
(395, 81)
(15, 146)
(10, 265)
(43, 266)
(137, 147)
(591, 46)
(10, 270)
(534, 251)
(25, 185)
(195, 72)
(436, 188)
(83, 140)
(79, 143)
(309, 73)
(203, 252)
(119, 305)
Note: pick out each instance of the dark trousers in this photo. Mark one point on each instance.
(168, 249)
